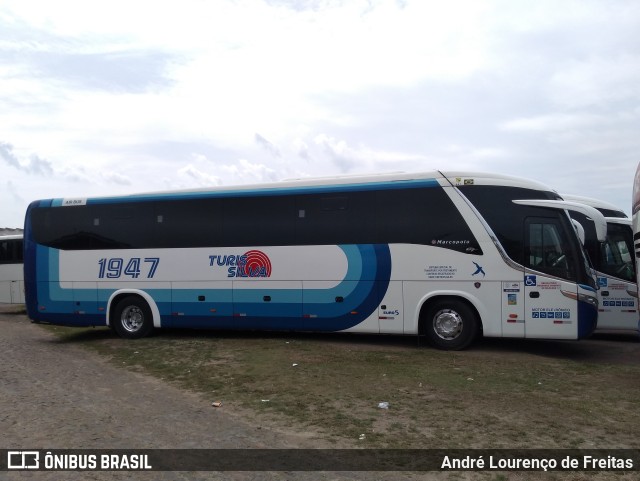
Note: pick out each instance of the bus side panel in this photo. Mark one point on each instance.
(550, 314)
(513, 303)
(618, 308)
(73, 288)
(61, 302)
(68, 303)
(202, 304)
(54, 302)
(11, 269)
(11, 284)
(391, 310)
(5, 292)
(267, 304)
(485, 298)
(17, 292)
(85, 298)
(156, 293)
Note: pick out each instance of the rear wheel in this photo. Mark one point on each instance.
(450, 325)
(132, 318)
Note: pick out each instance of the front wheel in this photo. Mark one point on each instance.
(132, 318)
(450, 325)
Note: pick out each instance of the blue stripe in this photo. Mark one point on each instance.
(344, 306)
(587, 319)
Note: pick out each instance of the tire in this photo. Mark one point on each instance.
(450, 325)
(132, 318)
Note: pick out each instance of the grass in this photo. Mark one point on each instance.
(497, 395)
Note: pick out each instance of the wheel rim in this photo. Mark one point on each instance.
(132, 318)
(447, 324)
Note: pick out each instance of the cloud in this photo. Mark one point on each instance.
(116, 178)
(556, 122)
(363, 158)
(301, 149)
(35, 165)
(343, 156)
(40, 166)
(14, 190)
(6, 153)
(597, 82)
(113, 71)
(268, 146)
(201, 178)
(195, 93)
(245, 171)
(470, 157)
(241, 171)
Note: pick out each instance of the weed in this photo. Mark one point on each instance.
(334, 384)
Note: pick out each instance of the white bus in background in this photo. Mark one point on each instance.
(11, 271)
(444, 255)
(614, 262)
(635, 222)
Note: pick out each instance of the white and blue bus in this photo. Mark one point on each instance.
(635, 221)
(445, 255)
(11, 272)
(614, 263)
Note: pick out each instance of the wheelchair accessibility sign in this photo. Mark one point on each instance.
(530, 281)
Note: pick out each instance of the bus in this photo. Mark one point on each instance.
(635, 223)
(447, 256)
(11, 276)
(614, 263)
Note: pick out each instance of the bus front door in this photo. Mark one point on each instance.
(618, 291)
(550, 302)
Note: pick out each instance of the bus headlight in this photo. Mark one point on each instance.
(591, 300)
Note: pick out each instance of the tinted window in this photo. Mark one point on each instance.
(101, 226)
(411, 216)
(505, 218)
(546, 248)
(591, 243)
(612, 213)
(423, 216)
(268, 220)
(11, 251)
(345, 218)
(615, 256)
(188, 223)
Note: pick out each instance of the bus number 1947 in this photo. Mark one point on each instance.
(115, 267)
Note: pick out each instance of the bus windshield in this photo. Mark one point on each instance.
(549, 243)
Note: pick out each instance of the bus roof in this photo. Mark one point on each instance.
(481, 178)
(442, 177)
(597, 203)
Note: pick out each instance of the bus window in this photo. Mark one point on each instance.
(616, 259)
(544, 247)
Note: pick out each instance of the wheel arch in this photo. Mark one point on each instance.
(122, 293)
(435, 297)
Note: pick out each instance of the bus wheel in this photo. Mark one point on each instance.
(450, 325)
(132, 318)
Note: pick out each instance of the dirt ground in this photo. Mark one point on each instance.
(59, 396)
(56, 395)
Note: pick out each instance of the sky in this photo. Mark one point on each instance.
(118, 97)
